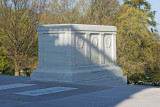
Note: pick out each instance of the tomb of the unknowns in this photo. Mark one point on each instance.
(77, 53)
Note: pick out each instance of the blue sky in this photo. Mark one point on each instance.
(155, 5)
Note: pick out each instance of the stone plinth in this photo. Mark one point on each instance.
(77, 53)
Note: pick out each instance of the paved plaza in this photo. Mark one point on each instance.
(22, 92)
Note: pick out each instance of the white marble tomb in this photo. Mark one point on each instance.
(77, 53)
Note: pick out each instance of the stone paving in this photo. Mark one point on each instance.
(22, 92)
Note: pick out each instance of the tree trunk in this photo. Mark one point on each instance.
(16, 73)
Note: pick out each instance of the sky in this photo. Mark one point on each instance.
(155, 5)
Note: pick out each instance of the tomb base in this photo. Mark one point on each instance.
(91, 75)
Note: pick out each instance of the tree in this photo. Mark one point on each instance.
(134, 42)
(18, 28)
(144, 6)
(61, 11)
(102, 11)
(155, 70)
(80, 12)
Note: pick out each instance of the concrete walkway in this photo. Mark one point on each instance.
(22, 92)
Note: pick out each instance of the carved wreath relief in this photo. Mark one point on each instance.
(95, 42)
(107, 42)
(79, 43)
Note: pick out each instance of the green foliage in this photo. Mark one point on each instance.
(4, 64)
(155, 76)
(144, 6)
(134, 42)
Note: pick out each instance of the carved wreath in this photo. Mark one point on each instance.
(80, 43)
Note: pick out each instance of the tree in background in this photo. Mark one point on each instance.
(135, 43)
(144, 6)
(155, 70)
(61, 11)
(18, 28)
(102, 11)
(80, 12)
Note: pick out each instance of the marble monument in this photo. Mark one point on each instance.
(77, 53)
